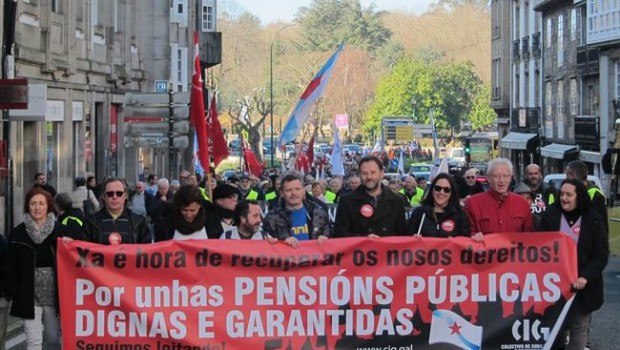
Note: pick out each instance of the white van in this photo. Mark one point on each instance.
(556, 179)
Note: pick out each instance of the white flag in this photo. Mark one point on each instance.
(401, 163)
(337, 163)
(449, 327)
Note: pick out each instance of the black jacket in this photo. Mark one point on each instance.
(73, 224)
(592, 254)
(20, 266)
(135, 232)
(387, 215)
(454, 223)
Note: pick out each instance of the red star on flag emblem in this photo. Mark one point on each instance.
(455, 328)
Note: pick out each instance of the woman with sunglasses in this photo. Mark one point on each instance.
(440, 214)
(573, 215)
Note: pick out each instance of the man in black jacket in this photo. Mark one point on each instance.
(371, 210)
(114, 223)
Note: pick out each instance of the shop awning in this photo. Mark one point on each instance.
(517, 140)
(558, 150)
(590, 157)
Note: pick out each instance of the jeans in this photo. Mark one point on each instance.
(578, 324)
(43, 332)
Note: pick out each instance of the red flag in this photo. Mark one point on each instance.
(310, 151)
(302, 164)
(250, 162)
(252, 165)
(220, 150)
(197, 110)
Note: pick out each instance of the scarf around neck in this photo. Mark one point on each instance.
(36, 233)
(186, 228)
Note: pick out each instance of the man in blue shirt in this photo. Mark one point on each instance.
(296, 219)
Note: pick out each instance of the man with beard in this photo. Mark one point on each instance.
(296, 219)
(221, 212)
(246, 190)
(543, 195)
(372, 210)
(248, 219)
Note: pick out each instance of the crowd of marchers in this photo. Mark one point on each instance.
(296, 207)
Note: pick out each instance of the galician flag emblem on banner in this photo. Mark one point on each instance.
(449, 327)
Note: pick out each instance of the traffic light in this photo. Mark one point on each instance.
(467, 151)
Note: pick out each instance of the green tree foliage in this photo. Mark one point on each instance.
(326, 23)
(417, 87)
(482, 115)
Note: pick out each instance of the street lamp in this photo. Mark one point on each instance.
(273, 40)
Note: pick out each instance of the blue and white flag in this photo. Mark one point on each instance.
(401, 163)
(337, 164)
(449, 327)
(301, 113)
(378, 145)
(435, 144)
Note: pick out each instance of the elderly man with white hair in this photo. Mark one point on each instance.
(498, 209)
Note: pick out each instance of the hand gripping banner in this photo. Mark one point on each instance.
(511, 292)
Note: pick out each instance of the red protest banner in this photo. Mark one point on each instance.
(402, 293)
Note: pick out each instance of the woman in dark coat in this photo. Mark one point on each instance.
(30, 268)
(440, 214)
(572, 216)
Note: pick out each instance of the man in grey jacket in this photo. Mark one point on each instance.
(296, 219)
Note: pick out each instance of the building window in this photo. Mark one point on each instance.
(549, 32)
(208, 16)
(548, 99)
(178, 12)
(560, 40)
(574, 97)
(96, 8)
(179, 67)
(618, 80)
(51, 152)
(179, 64)
(573, 24)
(56, 6)
(496, 78)
(560, 99)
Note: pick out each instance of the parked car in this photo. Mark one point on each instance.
(353, 148)
(235, 145)
(228, 174)
(556, 179)
(420, 170)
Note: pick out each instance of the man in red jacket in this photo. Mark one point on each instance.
(498, 209)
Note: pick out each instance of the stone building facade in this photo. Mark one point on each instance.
(81, 58)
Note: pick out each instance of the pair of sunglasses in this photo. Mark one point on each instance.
(438, 188)
(111, 194)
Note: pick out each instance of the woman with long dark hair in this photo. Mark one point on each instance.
(573, 216)
(440, 213)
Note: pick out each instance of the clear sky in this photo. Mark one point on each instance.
(284, 10)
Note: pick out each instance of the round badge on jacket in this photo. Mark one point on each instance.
(115, 238)
(367, 210)
(448, 225)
